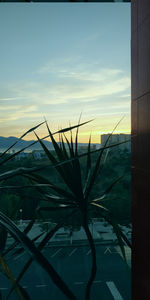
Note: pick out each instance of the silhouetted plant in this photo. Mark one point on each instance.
(75, 199)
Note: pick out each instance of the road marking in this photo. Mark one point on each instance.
(127, 252)
(56, 252)
(88, 252)
(114, 291)
(81, 282)
(19, 256)
(40, 285)
(73, 251)
(107, 250)
(3, 289)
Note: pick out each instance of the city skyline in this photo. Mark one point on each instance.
(60, 60)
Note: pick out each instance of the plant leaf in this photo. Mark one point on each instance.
(108, 190)
(72, 127)
(45, 240)
(34, 252)
(3, 238)
(9, 274)
(97, 165)
(57, 189)
(30, 130)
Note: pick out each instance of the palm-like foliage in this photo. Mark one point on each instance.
(6, 225)
(75, 198)
(77, 195)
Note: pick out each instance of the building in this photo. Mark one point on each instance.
(21, 155)
(140, 146)
(117, 138)
(85, 147)
(38, 154)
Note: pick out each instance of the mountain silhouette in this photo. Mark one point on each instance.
(6, 142)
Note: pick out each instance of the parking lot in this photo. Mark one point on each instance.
(73, 263)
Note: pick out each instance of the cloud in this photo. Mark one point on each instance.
(10, 107)
(64, 89)
(66, 94)
(10, 98)
(74, 91)
(16, 112)
(70, 81)
(126, 96)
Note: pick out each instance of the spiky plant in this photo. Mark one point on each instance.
(76, 197)
(7, 225)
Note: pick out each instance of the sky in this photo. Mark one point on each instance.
(58, 60)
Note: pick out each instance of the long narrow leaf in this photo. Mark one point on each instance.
(97, 165)
(100, 206)
(116, 228)
(66, 171)
(108, 190)
(14, 244)
(9, 274)
(58, 208)
(63, 172)
(76, 140)
(94, 266)
(30, 130)
(41, 245)
(45, 240)
(88, 166)
(22, 171)
(72, 127)
(33, 251)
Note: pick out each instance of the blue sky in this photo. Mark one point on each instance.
(60, 59)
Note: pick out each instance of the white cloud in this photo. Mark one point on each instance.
(73, 90)
(71, 81)
(63, 93)
(126, 96)
(10, 107)
(16, 112)
(10, 98)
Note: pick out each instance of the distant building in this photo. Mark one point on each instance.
(38, 154)
(117, 138)
(85, 147)
(21, 155)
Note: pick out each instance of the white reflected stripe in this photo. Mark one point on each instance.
(40, 285)
(72, 251)
(97, 281)
(19, 256)
(56, 252)
(114, 291)
(88, 252)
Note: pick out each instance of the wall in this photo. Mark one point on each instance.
(140, 113)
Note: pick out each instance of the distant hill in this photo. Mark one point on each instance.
(5, 143)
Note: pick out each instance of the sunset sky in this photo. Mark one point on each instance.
(60, 59)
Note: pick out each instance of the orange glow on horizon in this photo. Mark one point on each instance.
(83, 137)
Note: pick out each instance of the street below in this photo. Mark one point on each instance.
(73, 263)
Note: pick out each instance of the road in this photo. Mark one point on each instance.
(112, 282)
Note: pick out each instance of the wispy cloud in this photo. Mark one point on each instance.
(82, 84)
(62, 91)
(16, 112)
(10, 98)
